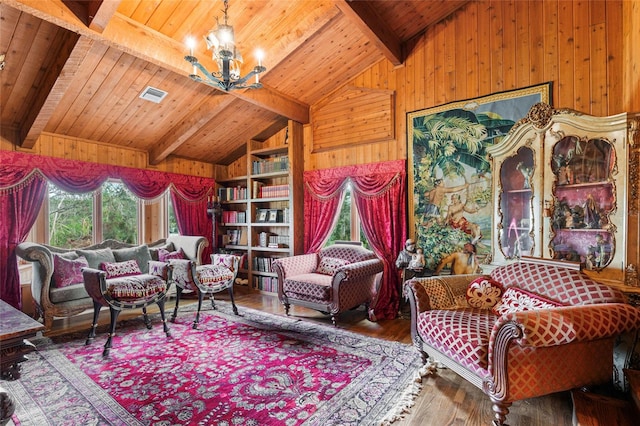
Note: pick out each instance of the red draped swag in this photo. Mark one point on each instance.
(379, 191)
(23, 180)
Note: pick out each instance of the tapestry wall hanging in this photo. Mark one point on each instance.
(450, 194)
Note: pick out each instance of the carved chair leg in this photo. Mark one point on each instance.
(175, 309)
(286, 309)
(145, 317)
(333, 321)
(94, 325)
(500, 411)
(196, 321)
(233, 302)
(165, 326)
(112, 330)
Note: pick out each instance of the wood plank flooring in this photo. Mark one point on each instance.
(445, 400)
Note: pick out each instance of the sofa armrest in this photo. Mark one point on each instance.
(192, 246)
(567, 324)
(359, 270)
(42, 259)
(291, 266)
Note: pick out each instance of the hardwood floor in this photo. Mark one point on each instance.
(445, 400)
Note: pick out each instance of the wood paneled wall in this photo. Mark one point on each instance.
(588, 49)
(71, 148)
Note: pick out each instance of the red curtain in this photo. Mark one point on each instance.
(379, 192)
(19, 207)
(192, 219)
(77, 176)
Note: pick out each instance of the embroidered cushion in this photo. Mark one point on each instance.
(138, 287)
(121, 269)
(154, 250)
(165, 255)
(214, 277)
(67, 271)
(484, 292)
(140, 254)
(226, 260)
(330, 265)
(97, 256)
(515, 299)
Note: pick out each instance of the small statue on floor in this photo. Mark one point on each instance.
(417, 260)
(405, 256)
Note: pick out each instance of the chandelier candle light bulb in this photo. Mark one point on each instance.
(227, 57)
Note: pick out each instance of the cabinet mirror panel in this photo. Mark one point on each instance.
(516, 176)
(584, 199)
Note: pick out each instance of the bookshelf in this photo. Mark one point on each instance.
(263, 208)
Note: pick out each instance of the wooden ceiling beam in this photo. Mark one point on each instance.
(363, 15)
(142, 42)
(180, 133)
(58, 78)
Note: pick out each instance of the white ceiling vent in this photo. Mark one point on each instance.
(152, 94)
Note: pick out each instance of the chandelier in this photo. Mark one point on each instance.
(222, 43)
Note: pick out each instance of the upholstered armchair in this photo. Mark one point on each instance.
(205, 279)
(337, 278)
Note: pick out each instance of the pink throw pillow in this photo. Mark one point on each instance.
(330, 265)
(516, 299)
(166, 255)
(121, 269)
(484, 292)
(68, 271)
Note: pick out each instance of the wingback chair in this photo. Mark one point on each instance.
(335, 279)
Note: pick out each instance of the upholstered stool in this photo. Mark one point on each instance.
(205, 279)
(127, 292)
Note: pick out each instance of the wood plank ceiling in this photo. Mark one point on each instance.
(77, 68)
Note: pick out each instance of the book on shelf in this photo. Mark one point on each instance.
(270, 165)
(257, 189)
(234, 237)
(269, 284)
(234, 216)
(232, 193)
(260, 190)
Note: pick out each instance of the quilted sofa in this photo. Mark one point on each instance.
(335, 279)
(527, 329)
(57, 285)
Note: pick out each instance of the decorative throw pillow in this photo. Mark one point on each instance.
(226, 260)
(330, 265)
(516, 299)
(97, 257)
(154, 250)
(140, 254)
(483, 292)
(121, 269)
(67, 271)
(165, 255)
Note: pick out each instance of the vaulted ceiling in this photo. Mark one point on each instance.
(77, 68)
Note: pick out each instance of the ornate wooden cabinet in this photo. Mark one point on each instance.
(566, 188)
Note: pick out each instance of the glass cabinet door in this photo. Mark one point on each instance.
(516, 174)
(584, 198)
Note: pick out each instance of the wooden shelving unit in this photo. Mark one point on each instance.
(270, 203)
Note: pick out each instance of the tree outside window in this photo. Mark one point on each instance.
(348, 226)
(78, 220)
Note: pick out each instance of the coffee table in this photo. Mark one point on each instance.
(15, 328)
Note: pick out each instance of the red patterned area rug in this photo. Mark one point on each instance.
(253, 369)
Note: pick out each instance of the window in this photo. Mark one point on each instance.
(78, 220)
(348, 226)
(120, 210)
(70, 218)
(171, 214)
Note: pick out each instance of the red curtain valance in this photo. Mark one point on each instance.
(81, 176)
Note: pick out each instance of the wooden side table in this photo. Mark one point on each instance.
(15, 328)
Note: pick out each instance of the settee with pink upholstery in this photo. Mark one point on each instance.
(333, 280)
(527, 329)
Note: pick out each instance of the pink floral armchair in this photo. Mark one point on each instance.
(528, 329)
(337, 278)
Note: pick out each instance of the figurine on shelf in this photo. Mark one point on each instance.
(563, 169)
(406, 255)
(417, 260)
(527, 173)
(600, 252)
(591, 215)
